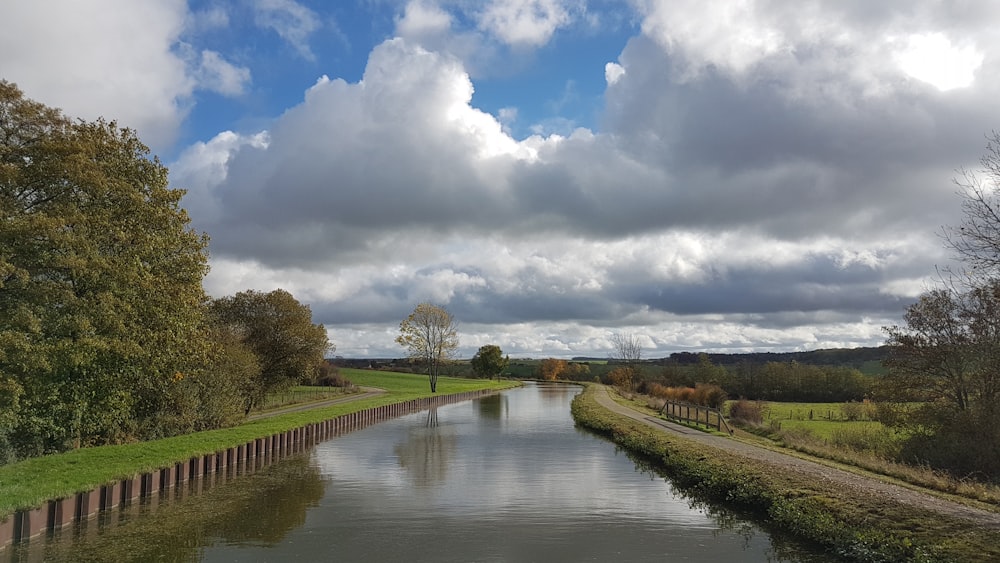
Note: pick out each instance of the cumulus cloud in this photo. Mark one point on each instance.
(523, 22)
(760, 178)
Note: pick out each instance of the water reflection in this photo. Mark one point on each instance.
(492, 406)
(426, 451)
(259, 509)
(507, 478)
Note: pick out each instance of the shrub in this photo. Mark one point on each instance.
(680, 394)
(709, 395)
(622, 377)
(853, 410)
(749, 412)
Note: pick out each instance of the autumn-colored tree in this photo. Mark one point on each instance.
(551, 368)
(100, 281)
(490, 361)
(622, 377)
(430, 335)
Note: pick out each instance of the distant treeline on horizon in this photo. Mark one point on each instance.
(827, 357)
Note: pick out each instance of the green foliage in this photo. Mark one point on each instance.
(430, 336)
(279, 331)
(100, 280)
(490, 362)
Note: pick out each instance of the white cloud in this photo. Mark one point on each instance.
(524, 22)
(935, 60)
(120, 65)
(779, 189)
(731, 35)
(292, 21)
(216, 74)
(421, 18)
(613, 73)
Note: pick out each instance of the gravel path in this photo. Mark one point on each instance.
(861, 484)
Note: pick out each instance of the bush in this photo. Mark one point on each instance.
(334, 380)
(709, 395)
(853, 410)
(748, 412)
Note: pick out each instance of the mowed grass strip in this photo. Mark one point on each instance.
(32, 482)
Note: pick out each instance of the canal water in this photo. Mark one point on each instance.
(506, 478)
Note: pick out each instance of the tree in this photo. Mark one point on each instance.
(431, 337)
(626, 350)
(947, 358)
(550, 369)
(977, 240)
(100, 279)
(489, 361)
(280, 332)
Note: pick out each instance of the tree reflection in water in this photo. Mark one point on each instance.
(260, 508)
(492, 406)
(427, 451)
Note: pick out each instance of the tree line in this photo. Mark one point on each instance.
(106, 332)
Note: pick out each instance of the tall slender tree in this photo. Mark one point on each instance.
(430, 335)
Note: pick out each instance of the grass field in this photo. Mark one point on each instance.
(823, 420)
(32, 482)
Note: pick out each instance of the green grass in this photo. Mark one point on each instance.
(825, 429)
(34, 481)
(298, 395)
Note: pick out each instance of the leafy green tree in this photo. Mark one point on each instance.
(100, 279)
(430, 335)
(280, 332)
(490, 361)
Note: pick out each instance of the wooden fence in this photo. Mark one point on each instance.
(697, 414)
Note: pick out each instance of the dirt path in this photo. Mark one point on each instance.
(366, 392)
(861, 484)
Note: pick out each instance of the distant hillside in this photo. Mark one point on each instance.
(866, 359)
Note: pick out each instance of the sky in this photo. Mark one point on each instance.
(724, 176)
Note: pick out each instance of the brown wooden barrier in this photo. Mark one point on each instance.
(711, 418)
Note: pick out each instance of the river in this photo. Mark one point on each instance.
(507, 478)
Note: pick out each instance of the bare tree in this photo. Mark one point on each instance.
(626, 350)
(976, 241)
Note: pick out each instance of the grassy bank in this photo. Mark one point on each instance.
(32, 482)
(855, 526)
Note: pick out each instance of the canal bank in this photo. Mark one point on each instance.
(507, 477)
(854, 523)
(110, 478)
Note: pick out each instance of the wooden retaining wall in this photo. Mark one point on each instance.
(56, 514)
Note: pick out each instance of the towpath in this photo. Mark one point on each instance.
(862, 484)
